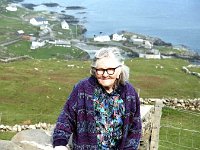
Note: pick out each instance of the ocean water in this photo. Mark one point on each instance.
(174, 21)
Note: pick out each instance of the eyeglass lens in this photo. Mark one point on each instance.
(109, 71)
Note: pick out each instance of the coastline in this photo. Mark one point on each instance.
(84, 16)
(191, 55)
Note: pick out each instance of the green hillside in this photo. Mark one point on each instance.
(37, 89)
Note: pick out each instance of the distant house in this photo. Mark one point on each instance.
(151, 54)
(45, 32)
(137, 41)
(148, 44)
(102, 38)
(64, 25)
(20, 32)
(63, 43)
(29, 37)
(117, 37)
(37, 44)
(38, 21)
(44, 26)
(11, 7)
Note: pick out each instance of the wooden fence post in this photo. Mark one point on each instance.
(156, 125)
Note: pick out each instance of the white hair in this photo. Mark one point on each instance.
(113, 53)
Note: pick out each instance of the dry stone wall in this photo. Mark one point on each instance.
(187, 104)
(186, 69)
(27, 135)
(38, 136)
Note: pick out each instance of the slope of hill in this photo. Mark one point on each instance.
(37, 89)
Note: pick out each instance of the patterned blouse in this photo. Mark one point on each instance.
(109, 112)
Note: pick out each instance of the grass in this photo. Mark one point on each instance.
(179, 130)
(171, 50)
(6, 135)
(194, 69)
(37, 89)
(10, 26)
(163, 78)
(48, 51)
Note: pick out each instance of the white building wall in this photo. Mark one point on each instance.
(117, 37)
(34, 22)
(11, 8)
(64, 25)
(104, 38)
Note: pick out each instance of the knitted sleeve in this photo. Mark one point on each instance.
(135, 126)
(66, 120)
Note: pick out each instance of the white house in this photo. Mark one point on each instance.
(11, 7)
(148, 44)
(38, 21)
(44, 26)
(20, 32)
(63, 43)
(137, 41)
(102, 38)
(151, 54)
(65, 25)
(117, 37)
(37, 44)
(45, 32)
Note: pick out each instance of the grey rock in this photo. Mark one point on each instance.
(8, 145)
(34, 139)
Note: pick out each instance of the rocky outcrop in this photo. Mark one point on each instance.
(159, 42)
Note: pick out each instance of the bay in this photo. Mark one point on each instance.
(174, 21)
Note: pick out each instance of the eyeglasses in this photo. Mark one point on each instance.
(110, 71)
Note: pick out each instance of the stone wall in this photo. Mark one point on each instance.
(186, 70)
(7, 60)
(27, 135)
(188, 104)
(18, 128)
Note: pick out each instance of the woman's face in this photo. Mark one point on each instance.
(107, 71)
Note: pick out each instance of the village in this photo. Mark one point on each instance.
(42, 54)
(135, 45)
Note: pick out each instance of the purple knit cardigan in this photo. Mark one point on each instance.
(77, 117)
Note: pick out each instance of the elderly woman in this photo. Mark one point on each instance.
(102, 111)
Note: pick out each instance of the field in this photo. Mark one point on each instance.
(35, 90)
(179, 130)
(48, 51)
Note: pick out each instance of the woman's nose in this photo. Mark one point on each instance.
(105, 74)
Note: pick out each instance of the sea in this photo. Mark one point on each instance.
(173, 21)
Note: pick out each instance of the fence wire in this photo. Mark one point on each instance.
(179, 130)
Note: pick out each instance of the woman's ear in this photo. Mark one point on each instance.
(92, 71)
(119, 73)
(118, 77)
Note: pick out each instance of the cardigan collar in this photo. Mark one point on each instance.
(93, 81)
